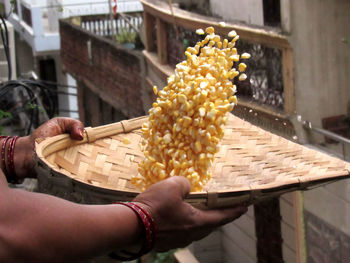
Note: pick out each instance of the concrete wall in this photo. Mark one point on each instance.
(322, 60)
(208, 249)
(238, 239)
(288, 228)
(24, 56)
(3, 60)
(322, 89)
(248, 11)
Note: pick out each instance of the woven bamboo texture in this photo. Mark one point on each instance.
(252, 164)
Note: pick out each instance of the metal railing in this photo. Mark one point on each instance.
(342, 140)
(104, 26)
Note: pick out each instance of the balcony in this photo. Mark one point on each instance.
(37, 21)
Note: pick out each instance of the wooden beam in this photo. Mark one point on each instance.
(162, 43)
(288, 81)
(81, 108)
(149, 23)
(299, 227)
(162, 71)
(192, 21)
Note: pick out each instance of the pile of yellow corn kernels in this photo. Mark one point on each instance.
(186, 122)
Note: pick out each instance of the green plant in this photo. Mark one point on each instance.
(346, 41)
(126, 36)
(4, 115)
(32, 106)
(166, 257)
(60, 8)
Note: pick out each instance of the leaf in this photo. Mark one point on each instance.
(346, 41)
(5, 114)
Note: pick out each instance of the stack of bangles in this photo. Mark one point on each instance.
(7, 157)
(149, 231)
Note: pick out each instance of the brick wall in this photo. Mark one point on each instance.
(325, 243)
(110, 71)
(327, 223)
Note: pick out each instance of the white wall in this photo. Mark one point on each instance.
(321, 59)
(239, 240)
(248, 11)
(90, 7)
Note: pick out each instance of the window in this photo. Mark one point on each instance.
(272, 13)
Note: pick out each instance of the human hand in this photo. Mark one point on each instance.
(24, 150)
(178, 223)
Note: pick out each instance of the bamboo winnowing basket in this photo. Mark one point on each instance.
(252, 165)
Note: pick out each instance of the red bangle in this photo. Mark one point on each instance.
(150, 232)
(10, 157)
(3, 152)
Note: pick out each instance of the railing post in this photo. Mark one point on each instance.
(162, 43)
(19, 9)
(37, 21)
(149, 25)
(288, 81)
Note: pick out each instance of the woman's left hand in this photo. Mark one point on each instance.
(24, 150)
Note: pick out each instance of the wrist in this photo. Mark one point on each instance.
(24, 158)
(148, 233)
(8, 144)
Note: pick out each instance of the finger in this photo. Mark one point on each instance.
(219, 217)
(183, 185)
(72, 126)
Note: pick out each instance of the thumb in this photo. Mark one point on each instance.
(72, 126)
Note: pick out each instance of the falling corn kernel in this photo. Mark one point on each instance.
(232, 34)
(200, 31)
(242, 77)
(242, 67)
(245, 56)
(222, 24)
(186, 123)
(155, 90)
(209, 30)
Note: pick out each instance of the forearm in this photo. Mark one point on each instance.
(43, 228)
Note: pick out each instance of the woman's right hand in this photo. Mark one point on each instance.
(178, 223)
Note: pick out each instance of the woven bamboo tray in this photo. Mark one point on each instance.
(251, 166)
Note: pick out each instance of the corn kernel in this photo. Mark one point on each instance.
(232, 33)
(209, 30)
(242, 67)
(245, 56)
(198, 146)
(242, 77)
(235, 39)
(126, 140)
(200, 31)
(184, 127)
(155, 90)
(222, 24)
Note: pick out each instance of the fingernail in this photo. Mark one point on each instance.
(81, 133)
